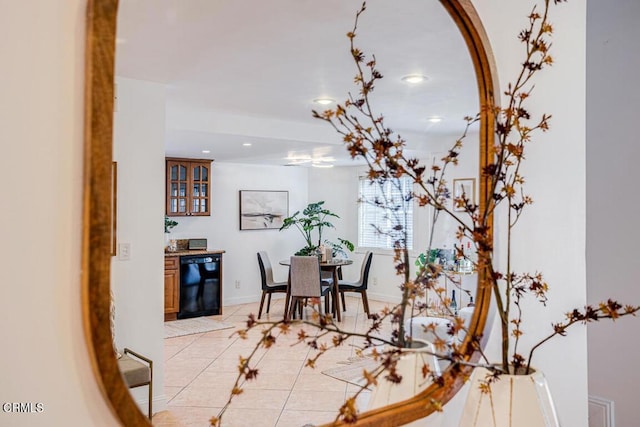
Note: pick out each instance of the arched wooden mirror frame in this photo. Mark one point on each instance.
(99, 97)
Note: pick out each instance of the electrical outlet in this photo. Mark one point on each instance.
(124, 251)
(375, 281)
(237, 284)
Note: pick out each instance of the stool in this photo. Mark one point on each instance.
(137, 373)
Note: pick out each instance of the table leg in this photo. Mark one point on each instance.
(336, 295)
(288, 296)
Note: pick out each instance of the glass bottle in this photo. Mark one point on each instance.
(453, 305)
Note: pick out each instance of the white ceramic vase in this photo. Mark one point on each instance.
(511, 401)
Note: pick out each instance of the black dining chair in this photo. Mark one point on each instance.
(360, 285)
(306, 282)
(269, 286)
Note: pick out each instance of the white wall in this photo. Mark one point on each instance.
(551, 235)
(44, 357)
(222, 228)
(138, 283)
(613, 98)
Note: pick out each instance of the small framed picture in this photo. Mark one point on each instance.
(263, 210)
(464, 187)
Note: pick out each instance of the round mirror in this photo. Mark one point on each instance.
(450, 93)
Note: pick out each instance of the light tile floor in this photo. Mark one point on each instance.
(201, 369)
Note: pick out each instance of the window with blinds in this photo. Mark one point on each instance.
(376, 223)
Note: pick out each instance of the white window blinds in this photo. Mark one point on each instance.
(376, 223)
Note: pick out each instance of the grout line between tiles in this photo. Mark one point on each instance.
(275, 307)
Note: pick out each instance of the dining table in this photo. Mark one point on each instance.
(332, 266)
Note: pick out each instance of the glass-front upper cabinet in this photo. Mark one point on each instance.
(188, 187)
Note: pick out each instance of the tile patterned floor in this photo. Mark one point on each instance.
(200, 370)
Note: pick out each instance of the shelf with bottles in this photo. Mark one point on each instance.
(464, 263)
(459, 260)
(454, 277)
(449, 306)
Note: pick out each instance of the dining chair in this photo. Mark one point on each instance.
(360, 285)
(306, 282)
(137, 371)
(269, 286)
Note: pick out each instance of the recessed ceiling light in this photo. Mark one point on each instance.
(206, 151)
(246, 144)
(321, 165)
(294, 159)
(324, 101)
(414, 78)
(435, 119)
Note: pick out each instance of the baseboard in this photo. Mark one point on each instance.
(240, 300)
(601, 412)
(159, 403)
(382, 297)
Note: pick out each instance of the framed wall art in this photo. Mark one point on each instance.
(263, 210)
(466, 186)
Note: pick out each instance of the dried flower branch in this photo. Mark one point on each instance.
(367, 137)
(383, 351)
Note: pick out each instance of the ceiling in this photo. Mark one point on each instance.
(247, 72)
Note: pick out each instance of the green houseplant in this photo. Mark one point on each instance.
(367, 137)
(169, 224)
(315, 218)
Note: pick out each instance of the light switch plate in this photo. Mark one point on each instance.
(124, 251)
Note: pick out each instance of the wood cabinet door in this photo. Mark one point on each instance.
(171, 291)
(188, 187)
(178, 174)
(199, 186)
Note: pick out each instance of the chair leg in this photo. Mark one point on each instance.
(150, 399)
(150, 389)
(334, 303)
(365, 302)
(261, 304)
(287, 307)
(268, 302)
(344, 304)
(287, 299)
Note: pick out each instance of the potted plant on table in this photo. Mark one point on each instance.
(367, 137)
(315, 217)
(168, 225)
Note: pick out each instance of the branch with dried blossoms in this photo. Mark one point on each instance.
(384, 155)
(367, 137)
(384, 352)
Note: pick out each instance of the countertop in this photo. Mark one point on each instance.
(183, 252)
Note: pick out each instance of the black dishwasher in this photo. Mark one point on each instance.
(199, 285)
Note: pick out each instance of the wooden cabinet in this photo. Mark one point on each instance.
(171, 287)
(188, 187)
